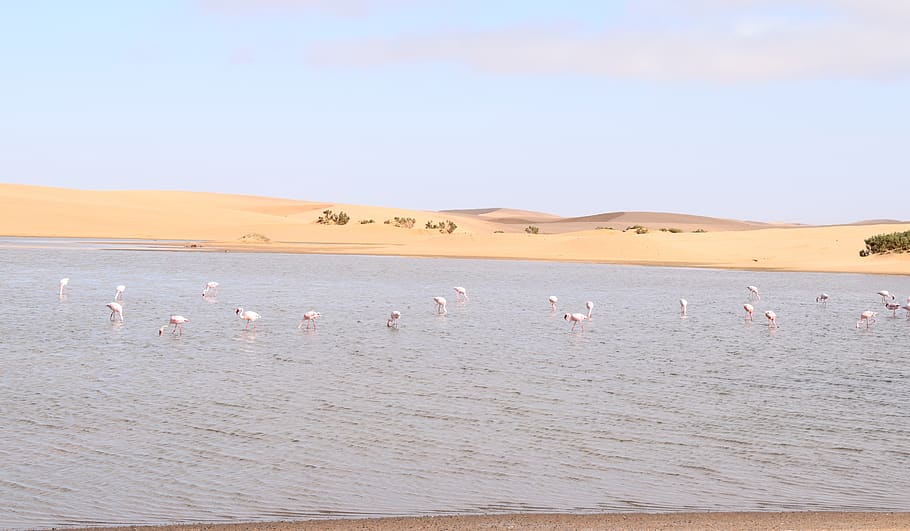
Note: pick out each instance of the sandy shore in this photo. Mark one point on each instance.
(629, 521)
(218, 222)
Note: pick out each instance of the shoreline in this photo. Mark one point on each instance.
(559, 521)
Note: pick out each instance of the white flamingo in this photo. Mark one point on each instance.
(177, 321)
(823, 298)
(116, 310)
(553, 300)
(211, 289)
(590, 306)
(393, 319)
(461, 294)
(576, 318)
(63, 284)
(886, 295)
(753, 293)
(906, 308)
(749, 310)
(118, 293)
(440, 305)
(309, 317)
(248, 316)
(868, 316)
(772, 319)
(683, 305)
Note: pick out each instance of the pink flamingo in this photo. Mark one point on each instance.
(749, 310)
(118, 294)
(886, 295)
(576, 318)
(177, 321)
(753, 293)
(772, 319)
(823, 298)
(683, 305)
(906, 308)
(440, 305)
(553, 300)
(211, 289)
(63, 283)
(590, 306)
(308, 317)
(894, 307)
(116, 310)
(461, 294)
(868, 316)
(248, 316)
(393, 319)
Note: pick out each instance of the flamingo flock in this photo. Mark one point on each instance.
(577, 319)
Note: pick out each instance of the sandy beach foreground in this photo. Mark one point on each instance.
(220, 222)
(630, 521)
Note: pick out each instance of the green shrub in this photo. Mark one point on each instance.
(365, 221)
(699, 230)
(330, 218)
(406, 223)
(532, 229)
(446, 226)
(671, 230)
(887, 243)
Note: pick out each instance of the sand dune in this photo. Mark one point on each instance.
(211, 221)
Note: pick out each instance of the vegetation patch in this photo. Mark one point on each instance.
(406, 223)
(531, 229)
(699, 230)
(446, 227)
(366, 221)
(255, 237)
(637, 228)
(895, 242)
(330, 218)
(671, 230)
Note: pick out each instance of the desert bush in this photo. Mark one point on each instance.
(895, 242)
(330, 218)
(407, 223)
(641, 230)
(446, 226)
(699, 230)
(532, 229)
(365, 221)
(499, 232)
(671, 230)
(603, 228)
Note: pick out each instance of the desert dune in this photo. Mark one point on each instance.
(216, 222)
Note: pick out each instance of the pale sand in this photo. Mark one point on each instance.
(709, 521)
(217, 222)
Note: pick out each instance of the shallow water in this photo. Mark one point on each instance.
(496, 406)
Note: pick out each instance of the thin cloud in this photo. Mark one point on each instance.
(330, 7)
(737, 40)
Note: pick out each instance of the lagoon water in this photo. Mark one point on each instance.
(495, 407)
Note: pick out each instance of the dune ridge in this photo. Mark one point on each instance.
(215, 222)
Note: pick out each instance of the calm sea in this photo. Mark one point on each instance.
(495, 407)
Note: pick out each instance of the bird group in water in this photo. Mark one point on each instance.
(309, 319)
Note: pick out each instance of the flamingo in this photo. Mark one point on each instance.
(894, 307)
(749, 310)
(772, 319)
(248, 316)
(307, 317)
(753, 292)
(461, 294)
(683, 304)
(118, 294)
(393, 319)
(116, 309)
(440, 305)
(553, 300)
(823, 298)
(177, 321)
(907, 309)
(211, 288)
(576, 318)
(590, 306)
(63, 283)
(868, 316)
(886, 295)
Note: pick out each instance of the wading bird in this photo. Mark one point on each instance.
(177, 321)
(116, 310)
(553, 300)
(63, 283)
(576, 318)
(894, 307)
(683, 305)
(440, 305)
(886, 295)
(590, 306)
(309, 317)
(393, 319)
(248, 316)
(210, 290)
(868, 316)
(823, 298)
(118, 293)
(753, 292)
(772, 319)
(749, 310)
(461, 294)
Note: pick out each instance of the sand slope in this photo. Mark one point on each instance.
(217, 221)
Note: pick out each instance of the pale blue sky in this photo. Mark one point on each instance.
(766, 110)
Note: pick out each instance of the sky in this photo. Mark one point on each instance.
(765, 110)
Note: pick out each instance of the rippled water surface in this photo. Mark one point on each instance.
(496, 406)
